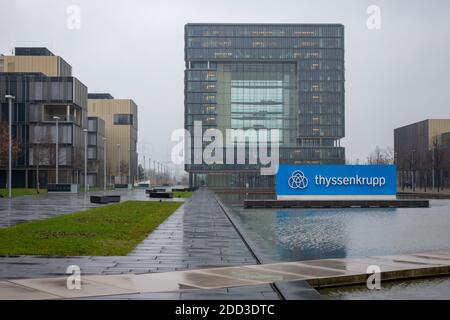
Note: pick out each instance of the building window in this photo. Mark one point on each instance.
(92, 153)
(126, 119)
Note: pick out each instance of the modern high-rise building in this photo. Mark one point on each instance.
(45, 94)
(121, 125)
(288, 77)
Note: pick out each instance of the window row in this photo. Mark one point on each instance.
(265, 30)
(320, 131)
(321, 75)
(327, 119)
(321, 108)
(201, 97)
(260, 95)
(309, 154)
(264, 54)
(321, 86)
(256, 108)
(304, 108)
(316, 142)
(201, 108)
(44, 134)
(201, 86)
(45, 155)
(331, 64)
(257, 43)
(320, 97)
(201, 75)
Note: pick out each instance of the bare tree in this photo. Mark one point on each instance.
(4, 145)
(141, 172)
(389, 155)
(123, 169)
(185, 180)
(78, 161)
(381, 156)
(43, 150)
(423, 165)
(437, 160)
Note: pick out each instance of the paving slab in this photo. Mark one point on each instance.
(205, 280)
(58, 287)
(288, 277)
(254, 274)
(13, 291)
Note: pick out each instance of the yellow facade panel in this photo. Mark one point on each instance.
(48, 65)
(121, 139)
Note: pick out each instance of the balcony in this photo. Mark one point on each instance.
(65, 113)
(62, 118)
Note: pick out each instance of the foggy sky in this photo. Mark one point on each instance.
(134, 49)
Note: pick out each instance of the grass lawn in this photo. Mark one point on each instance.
(22, 192)
(114, 229)
(182, 194)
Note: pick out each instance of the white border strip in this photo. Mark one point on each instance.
(336, 197)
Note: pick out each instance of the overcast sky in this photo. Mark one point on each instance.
(134, 49)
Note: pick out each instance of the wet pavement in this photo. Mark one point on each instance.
(292, 279)
(198, 235)
(28, 208)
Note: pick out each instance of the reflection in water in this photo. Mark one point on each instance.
(428, 289)
(303, 234)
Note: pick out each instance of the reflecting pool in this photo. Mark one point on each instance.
(423, 289)
(304, 234)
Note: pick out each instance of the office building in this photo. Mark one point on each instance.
(45, 93)
(288, 77)
(422, 154)
(121, 125)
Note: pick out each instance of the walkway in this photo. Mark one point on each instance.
(198, 235)
(176, 285)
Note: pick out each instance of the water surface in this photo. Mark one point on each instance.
(303, 234)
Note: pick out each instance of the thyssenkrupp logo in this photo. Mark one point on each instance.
(298, 180)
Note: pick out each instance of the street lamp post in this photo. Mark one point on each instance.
(57, 147)
(129, 166)
(104, 164)
(154, 171)
(159, 172)
(149, 170)
(120, 169)
(85, 159)
(413, 165)
(10, 98)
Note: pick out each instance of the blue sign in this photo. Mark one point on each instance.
(309, 181)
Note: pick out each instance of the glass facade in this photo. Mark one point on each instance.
(288, 77)
(95, 151)
(38, 98)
